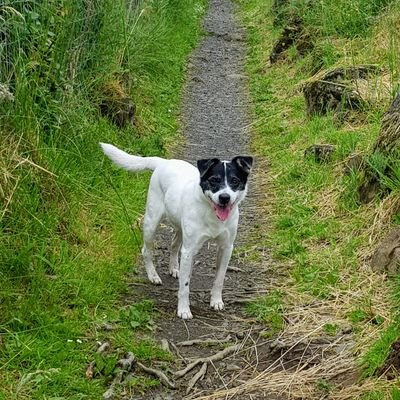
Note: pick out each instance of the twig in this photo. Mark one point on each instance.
(90, 370)
(204, 341)
(216, 357)
(178, 353)
(200, 375)
(158, 374)
(235, 269)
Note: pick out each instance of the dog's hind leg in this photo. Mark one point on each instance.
(224, 253)
(152, 218)
(174, 257)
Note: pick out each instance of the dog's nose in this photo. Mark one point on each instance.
(224, 198)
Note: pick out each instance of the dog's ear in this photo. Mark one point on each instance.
(205, 165)
(244, 163)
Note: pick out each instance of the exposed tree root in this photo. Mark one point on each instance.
(200, 375)
(158, 374)
(216, 357)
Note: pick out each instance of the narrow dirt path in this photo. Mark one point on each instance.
(228, 355)
(216, 124)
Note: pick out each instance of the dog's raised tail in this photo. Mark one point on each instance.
(128, 161)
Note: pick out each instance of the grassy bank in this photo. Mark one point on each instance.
(69, 221)
(321, 236)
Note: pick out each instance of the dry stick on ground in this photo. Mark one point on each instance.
(197, 377)
(216, 357)
(158, 374)
(177, 352)
(235, 269)
(204, 341)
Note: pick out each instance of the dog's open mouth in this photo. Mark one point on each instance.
(222, 212)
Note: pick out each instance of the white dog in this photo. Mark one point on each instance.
(200, 203)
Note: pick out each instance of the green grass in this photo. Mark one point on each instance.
(268, 310)
(319, 232)
(69, 220)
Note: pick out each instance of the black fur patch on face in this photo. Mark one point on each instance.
(214, 174)
(213, 177)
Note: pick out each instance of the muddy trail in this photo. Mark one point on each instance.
(220, 351)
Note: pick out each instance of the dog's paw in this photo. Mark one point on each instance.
(217, 305)
(155, 279)
(174, 273)
(184, 313)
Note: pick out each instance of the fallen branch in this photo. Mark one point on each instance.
(158, 374)
(200, 375)
(204, 341)
(216, 357)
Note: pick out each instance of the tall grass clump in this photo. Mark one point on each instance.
(67, 219)
(348, 19)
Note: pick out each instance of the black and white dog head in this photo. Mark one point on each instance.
(224, 182)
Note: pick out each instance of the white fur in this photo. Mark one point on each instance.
(175, 193)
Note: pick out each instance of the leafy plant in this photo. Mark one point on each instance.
(139, 315)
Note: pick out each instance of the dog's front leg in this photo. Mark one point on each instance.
(223, 256)
(185, 273)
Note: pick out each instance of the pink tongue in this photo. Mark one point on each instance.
(222, 213)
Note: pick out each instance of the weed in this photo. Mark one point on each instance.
(139, 315)
(331, 329)
(268, 310)
(324, 386)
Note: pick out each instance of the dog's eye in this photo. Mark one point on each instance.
(214, 180)
(235, 181)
